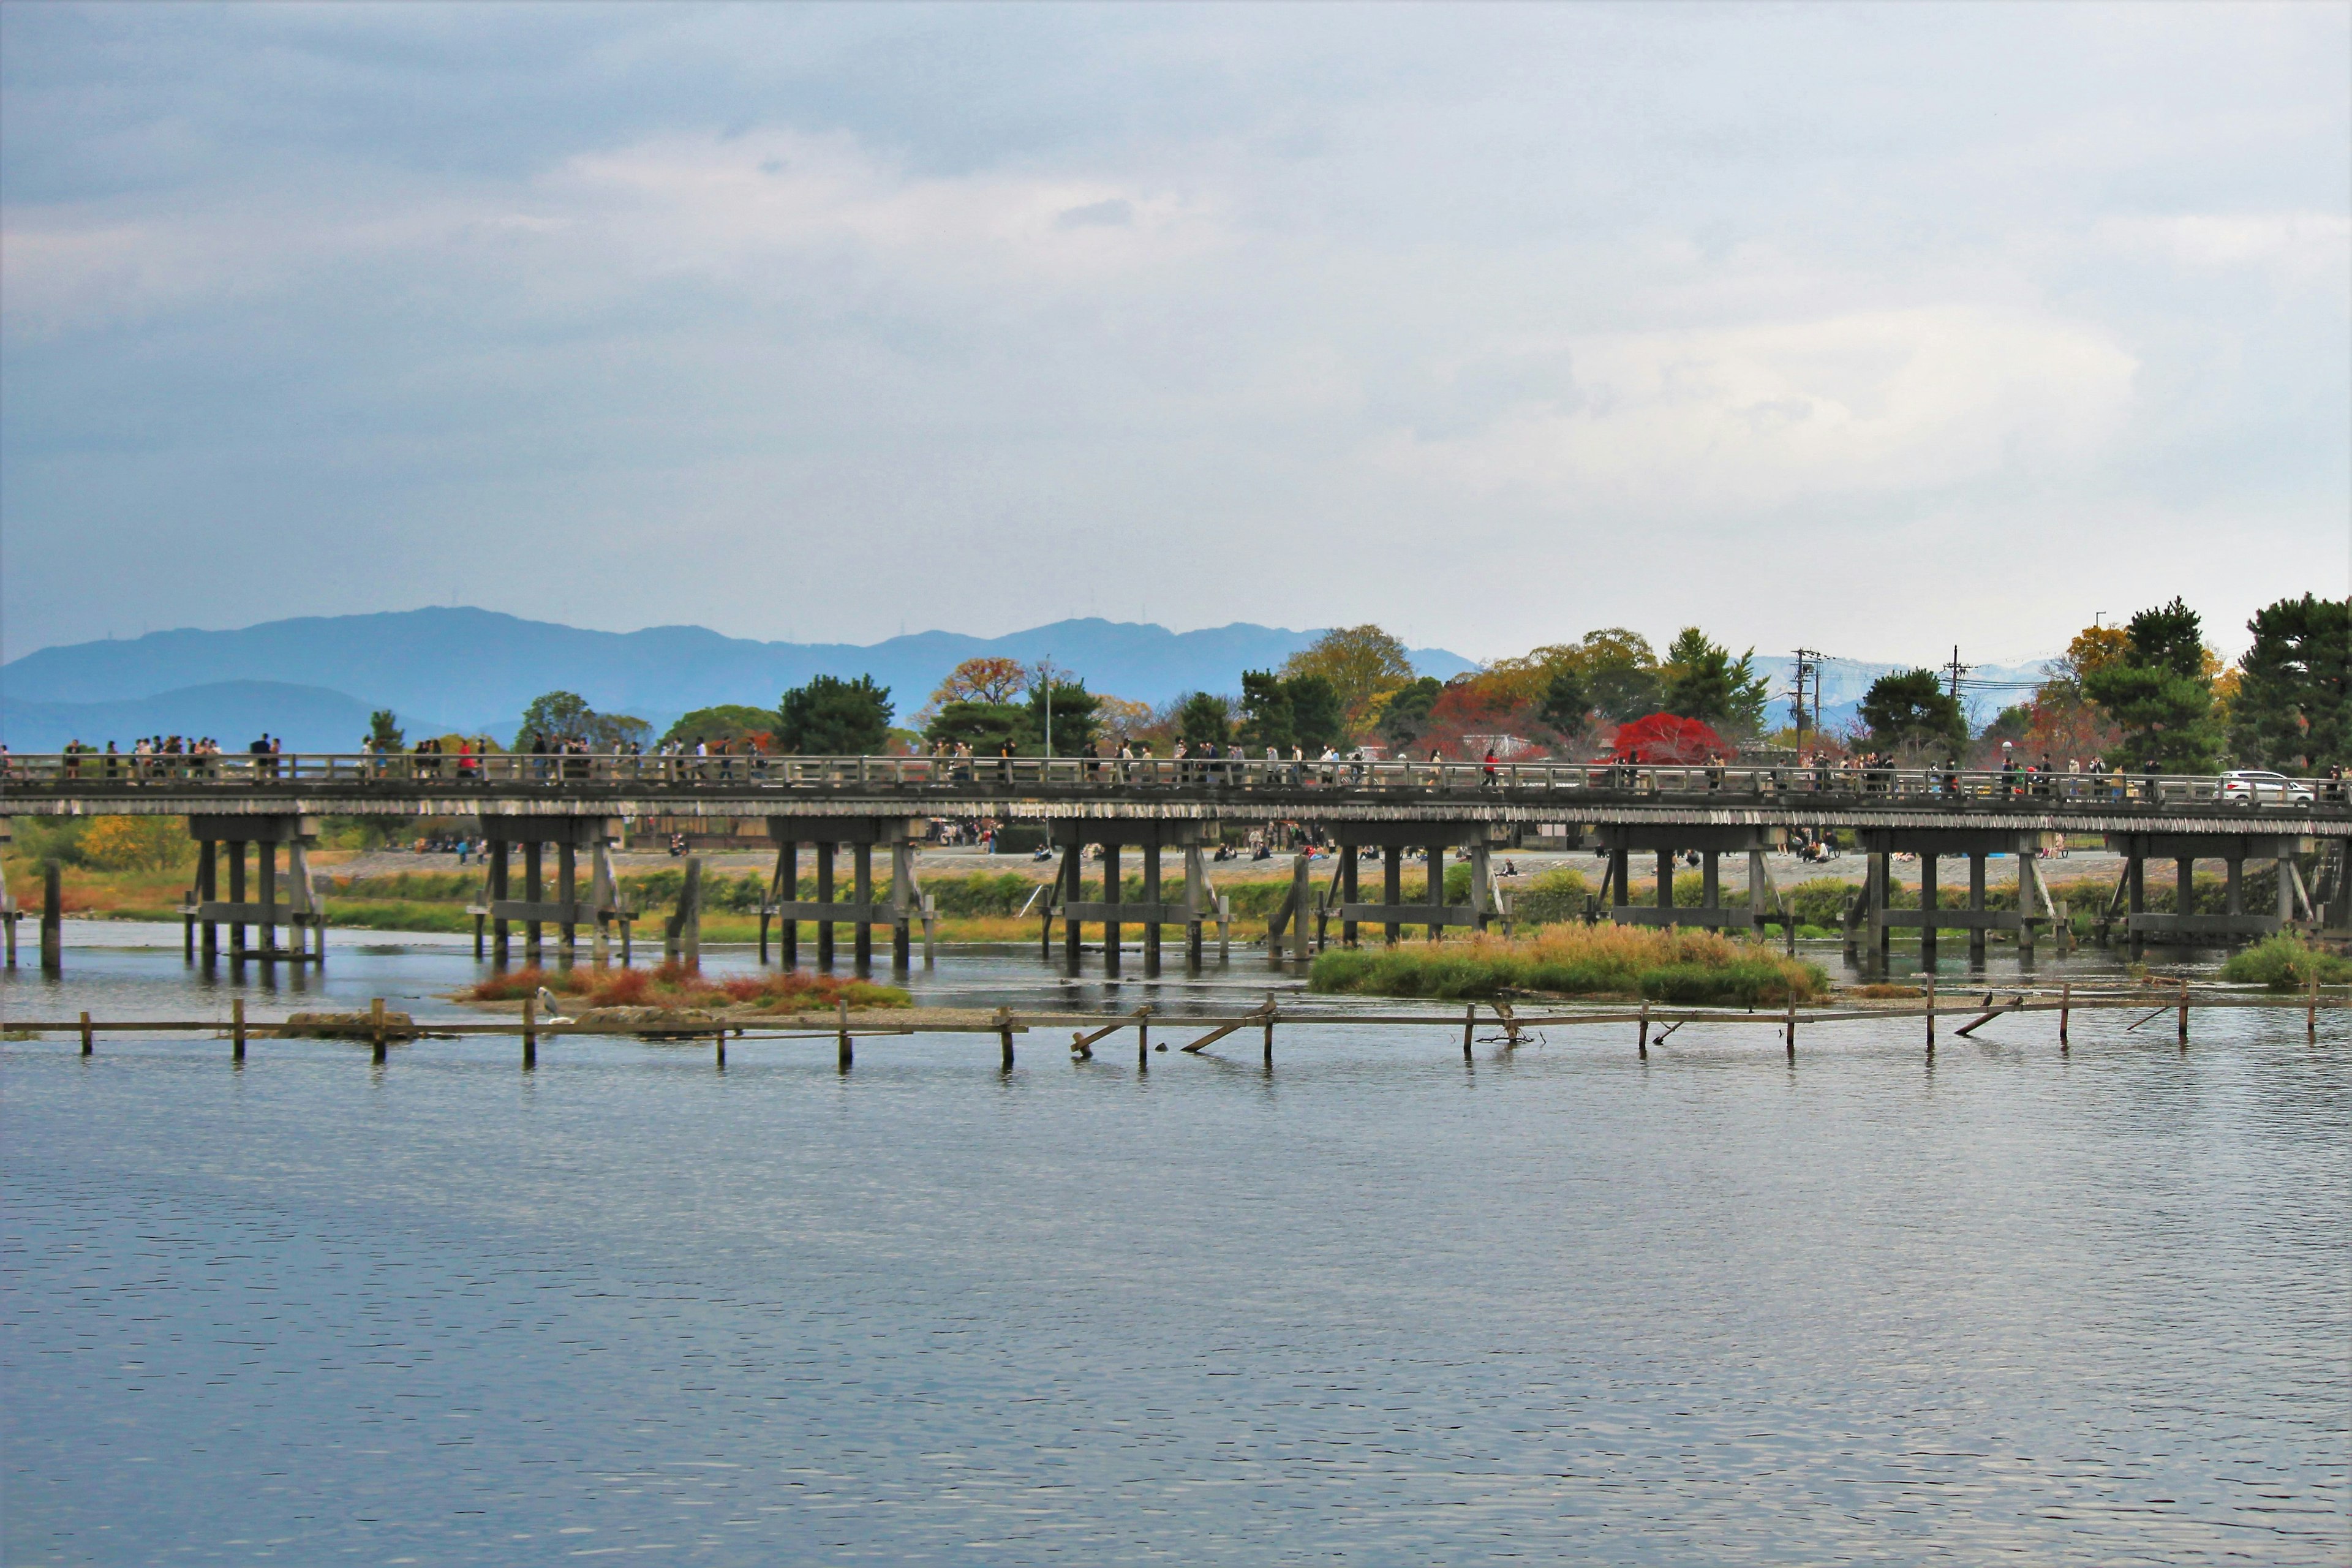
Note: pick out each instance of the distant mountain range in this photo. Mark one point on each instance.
(476, 670)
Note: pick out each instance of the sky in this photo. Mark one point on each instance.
(1868, 329)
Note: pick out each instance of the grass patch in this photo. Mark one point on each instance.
(1684, 966)
(676, 985)
(2286, 962)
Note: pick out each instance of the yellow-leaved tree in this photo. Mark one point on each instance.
(138, 844)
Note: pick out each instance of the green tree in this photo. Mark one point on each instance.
(1910, 710)
(1407, 713)
(2012, 723)
(1363, 665)
(1703, 682)
(1318, 717)
(1266, 712)
(723, 722)
(385, 733)
(986, 727)
(555, 715)
(1565, 704)
(1201, 718)
(1621, 673)
(830, 716)
(1075, 726)
(2294, 708)
(2161, 694)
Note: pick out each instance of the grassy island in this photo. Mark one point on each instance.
(1661, 966)
(674, 985)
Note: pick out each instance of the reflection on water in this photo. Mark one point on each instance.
(1377, 1305)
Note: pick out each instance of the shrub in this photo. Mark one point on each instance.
(1677, 965)
(2286, 962)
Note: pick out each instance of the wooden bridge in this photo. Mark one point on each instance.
(578, 803)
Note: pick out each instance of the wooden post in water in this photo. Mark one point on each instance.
(53, 914)
(2311, 1010)
(1469, 1029)
(1302, 902)
(2066, 1005)
(847, 1054)
(1004, 1035)
(1931, 1013)
(1391, 888)
(1152, 900)
(236, 896)
(529, 1032)
(1791, 1034)
(824, 896)
(1143, 1039)
(376, 1027)
(861, 883)
(533, 931)
(1641, 1039)
(1269, 1029)
(1112, 935)
(2184, 1012)
(719, 1041)
(237, 1030)
(86, 1042)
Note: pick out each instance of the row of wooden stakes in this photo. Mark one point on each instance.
(1653, 1025)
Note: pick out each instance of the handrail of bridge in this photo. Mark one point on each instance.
(961, 776)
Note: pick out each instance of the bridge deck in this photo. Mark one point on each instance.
(1234, 789)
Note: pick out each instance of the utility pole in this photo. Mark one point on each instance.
(1956, 669)
(1809, 663)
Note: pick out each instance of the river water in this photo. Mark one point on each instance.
(1377, 1305)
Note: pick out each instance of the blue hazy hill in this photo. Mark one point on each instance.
(477, 670)
(307, 717)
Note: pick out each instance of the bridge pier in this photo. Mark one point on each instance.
(1879, 917)
(1149, 836)
(1392, 839)
(1667, 841)
(825, 835)
(567, 911)
(297, 913)
(2184, 925)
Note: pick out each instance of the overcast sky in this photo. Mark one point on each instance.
(1874, 329)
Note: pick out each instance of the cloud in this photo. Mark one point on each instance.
(1751, 418)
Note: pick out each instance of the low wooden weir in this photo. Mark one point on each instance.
(1652, 1023)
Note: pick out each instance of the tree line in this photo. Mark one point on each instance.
(2148, 694)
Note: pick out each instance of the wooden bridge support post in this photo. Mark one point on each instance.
(861, 889)
(2135, 902)
(2029, 900)
(824, 916)
(1977, 906)
(1482, 865)
(1757, 895)
(1150, 853)
(265, 853)
(53, 913)
(1710, 882)
(1436, 885)
(2285, 864)
(1196, 882)
(1348, 891)
(534, 891)
(1302, 898)
(788, 890)
(1927, 906)
(2235, 899)
(209, 891)
(236, 896)
(2184, 896)
(501, 930)
(1882, 935)
(1392, 889)
(1074, 872)
(1112, 935)
(567, 893)
(902, 905)
(1665, 889)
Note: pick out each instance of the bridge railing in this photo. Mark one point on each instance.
(1106, 775)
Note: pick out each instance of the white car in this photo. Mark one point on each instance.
(2251, 787)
